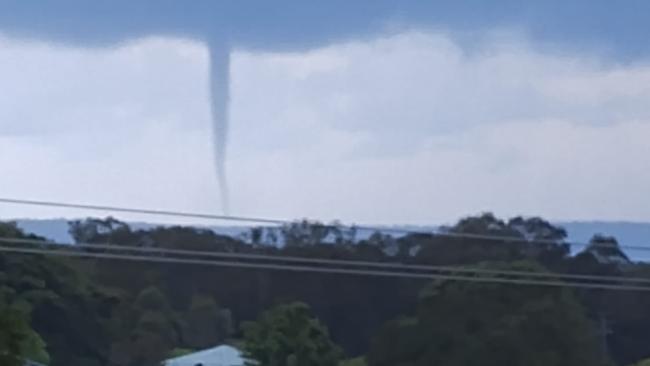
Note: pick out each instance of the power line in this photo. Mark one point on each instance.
(144, 211)
(321, 261)
(302, 268)
(155, 212)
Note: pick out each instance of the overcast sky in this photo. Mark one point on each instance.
(407, 127)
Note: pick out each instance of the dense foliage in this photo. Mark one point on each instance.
(17, 340)
(287, 335)
(126, 313)
(465, 323)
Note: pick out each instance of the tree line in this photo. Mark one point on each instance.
(95, 312)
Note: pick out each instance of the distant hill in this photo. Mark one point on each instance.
(52, 229)
(627, 233)
(57, 229)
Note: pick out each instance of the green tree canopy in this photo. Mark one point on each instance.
(206, 324)
(642, 363)
(463, 323)
(287, 335)
(358, 361)
(17, 340)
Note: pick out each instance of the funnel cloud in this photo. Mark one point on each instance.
(297, 25)
(220, 95)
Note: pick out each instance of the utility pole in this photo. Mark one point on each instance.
(603, 332)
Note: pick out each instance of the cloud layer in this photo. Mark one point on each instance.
(412, 128)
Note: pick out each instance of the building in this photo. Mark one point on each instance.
(223, 355)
